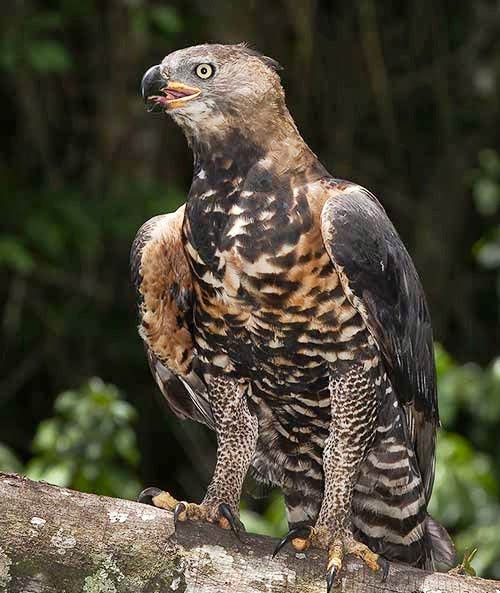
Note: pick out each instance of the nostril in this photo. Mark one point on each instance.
(164, 72)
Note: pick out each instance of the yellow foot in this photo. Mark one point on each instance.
(341, 546)
(216, 512)
(303, 537)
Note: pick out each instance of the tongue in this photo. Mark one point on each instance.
(175, 94)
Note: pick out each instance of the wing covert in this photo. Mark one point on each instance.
(162, 279)
(379, 278)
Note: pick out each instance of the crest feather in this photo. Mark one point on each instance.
(269, 62)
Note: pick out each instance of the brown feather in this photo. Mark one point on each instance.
(166, 287)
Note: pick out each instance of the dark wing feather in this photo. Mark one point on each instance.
(379, 278)
(162, 279)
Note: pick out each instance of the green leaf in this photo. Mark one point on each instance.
(66, 402)
(46, 436)
(465, 490)
(466, 562)
(487, 195)
(89, 443)
(488, 255)
(489, 161)
(8, 460)
(485, 539)
(166, 19)
(126, 445)
(255, 523)
(58, 474)
(48, 56)
(13, 254)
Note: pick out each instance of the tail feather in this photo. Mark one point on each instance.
(389, 505)
(390, 500)
(442, 548)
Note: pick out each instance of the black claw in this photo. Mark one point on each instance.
(302, 532)
(331, 578)
(384, 567)
(180, 507)
(235, 524)
(147, 495)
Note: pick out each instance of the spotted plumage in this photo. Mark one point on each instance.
(279, 307)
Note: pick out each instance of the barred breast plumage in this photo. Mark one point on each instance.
(270, 309)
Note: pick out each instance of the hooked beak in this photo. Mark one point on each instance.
(160, 93)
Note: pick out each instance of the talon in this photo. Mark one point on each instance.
(331, 578)
(335, 557)
(296, 533)
(180, 512)
(228, 515)
(147, 495)
(384, 567)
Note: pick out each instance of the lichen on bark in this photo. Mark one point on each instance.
(5, 564)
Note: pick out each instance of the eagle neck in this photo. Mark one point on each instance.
(244, 147)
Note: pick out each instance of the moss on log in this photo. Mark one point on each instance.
(55, 540)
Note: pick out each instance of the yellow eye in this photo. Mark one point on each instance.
(204, 71)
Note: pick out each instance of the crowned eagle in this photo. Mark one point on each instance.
(279, 307)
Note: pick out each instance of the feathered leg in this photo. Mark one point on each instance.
(354, 399)
(237, 431)
(354, 388)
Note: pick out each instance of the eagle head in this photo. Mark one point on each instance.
(207, 89)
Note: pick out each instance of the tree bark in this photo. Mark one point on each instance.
(55, 540)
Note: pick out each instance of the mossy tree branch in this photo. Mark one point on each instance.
(54, 540)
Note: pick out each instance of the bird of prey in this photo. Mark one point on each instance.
(279, 307)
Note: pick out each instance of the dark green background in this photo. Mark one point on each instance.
(400, 97)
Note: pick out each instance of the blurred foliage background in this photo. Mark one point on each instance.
(401, 97)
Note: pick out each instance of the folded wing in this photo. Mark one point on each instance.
(162, 279)
(379, 278)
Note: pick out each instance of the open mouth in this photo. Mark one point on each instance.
(174, 94)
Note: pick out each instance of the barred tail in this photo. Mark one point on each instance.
(390, 502)
(442, 548)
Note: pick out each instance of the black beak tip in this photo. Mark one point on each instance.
(152, 82)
